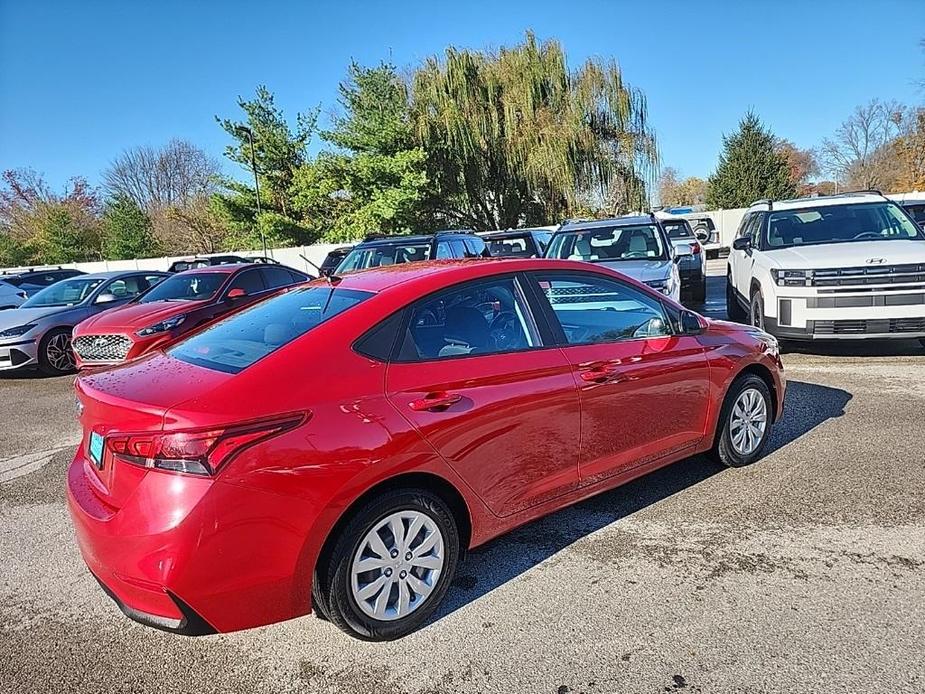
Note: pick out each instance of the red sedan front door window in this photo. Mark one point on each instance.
(499, 407)
(644, 390)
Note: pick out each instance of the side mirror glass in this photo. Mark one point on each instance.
(236, 293)
(690, 323)
(683, 249)
(106, 298)
(743, 243)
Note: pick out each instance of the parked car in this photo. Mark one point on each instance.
(206, 261)
(333, 259)
(35, 280)
(176, 306)
(637, 246)
(11, 296)
(913, 203)
(230, 481)
(849, 266)
(261, 259)
(38, 333)
(691, 264)
(378, 251)
(706, 232)
(518, 243)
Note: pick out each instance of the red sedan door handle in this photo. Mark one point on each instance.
(435, 402)
(600, 374)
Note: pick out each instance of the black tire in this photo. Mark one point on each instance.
(756, 310)
(733, 309)
(724, 451)
(333, 579)
(49, 363)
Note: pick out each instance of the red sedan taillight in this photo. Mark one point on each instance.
(200, 452)
(696, 248)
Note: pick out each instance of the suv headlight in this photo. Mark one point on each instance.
(792, 278)
(664, 286)
(17, 330)
(163, 326)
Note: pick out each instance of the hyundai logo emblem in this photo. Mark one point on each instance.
(876, 261)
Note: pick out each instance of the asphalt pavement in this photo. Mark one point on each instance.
(802, 573)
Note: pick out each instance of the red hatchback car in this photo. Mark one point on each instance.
(338, 446)
(174, 307)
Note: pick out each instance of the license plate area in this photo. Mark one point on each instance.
(96, 449)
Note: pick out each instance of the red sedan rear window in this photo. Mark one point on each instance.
(241, 339)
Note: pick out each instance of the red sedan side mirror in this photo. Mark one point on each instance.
(236, 293)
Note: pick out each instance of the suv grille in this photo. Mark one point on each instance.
(102, 347)
(881, 326)
(873, 274)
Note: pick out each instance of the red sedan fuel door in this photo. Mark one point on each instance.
(498, 406)
(644, 391)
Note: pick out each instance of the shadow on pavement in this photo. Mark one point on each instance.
(807, 406)
(28, 374)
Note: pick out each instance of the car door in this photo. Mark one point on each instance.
(745, 259)
(276, 277)
(643, 388)
(495, 400)
(124, 289)
(251, 282)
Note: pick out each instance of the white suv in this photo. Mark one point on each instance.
(841, 266)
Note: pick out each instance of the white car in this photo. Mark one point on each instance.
(848, 266)
(913, 203)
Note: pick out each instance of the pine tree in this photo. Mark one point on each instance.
(750, 168)
(127, 231)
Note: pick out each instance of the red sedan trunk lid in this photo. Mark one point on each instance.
(133, 399)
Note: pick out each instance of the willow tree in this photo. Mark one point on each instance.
(516, 137)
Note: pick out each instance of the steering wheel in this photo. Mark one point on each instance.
(635, 254)
(503, 330)
(427, 318)
(863, 234)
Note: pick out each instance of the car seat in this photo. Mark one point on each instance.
(466, 325)
(583, 249)
(639, 243)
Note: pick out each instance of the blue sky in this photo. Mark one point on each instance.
(80, 81)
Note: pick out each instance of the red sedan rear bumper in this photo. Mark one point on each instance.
(194, 555)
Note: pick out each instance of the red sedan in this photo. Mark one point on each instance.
(336, 447)
(174, 307)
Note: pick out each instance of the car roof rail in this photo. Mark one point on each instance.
(764, 201)
(442, 232)
(865, 191)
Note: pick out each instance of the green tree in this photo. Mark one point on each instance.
(278, 149)
(515, 136)
(375, 180)
(127, 230)
(750, 168)
(279, 152)
(38, 225)
(61, 238)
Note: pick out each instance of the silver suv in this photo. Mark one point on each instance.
(637, 246)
